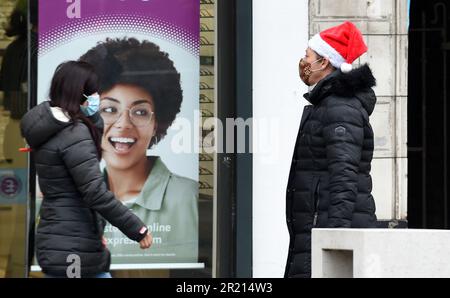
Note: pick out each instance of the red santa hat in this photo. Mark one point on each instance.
(342, 45)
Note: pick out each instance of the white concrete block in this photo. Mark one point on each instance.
(401, 193)
(382, 60)
(383, 124)
(383, 180)
(382, 9)
(401, 127)
(371, 17)
(381, 253)
(366, 26)
(401, 68)
(402, 16)
(337, 263)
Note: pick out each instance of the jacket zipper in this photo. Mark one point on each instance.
(316, 202)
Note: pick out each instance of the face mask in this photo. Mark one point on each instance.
(93, 104)
(306, 72)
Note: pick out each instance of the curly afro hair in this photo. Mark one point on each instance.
(143, 64)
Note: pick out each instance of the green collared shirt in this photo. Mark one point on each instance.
(168, 205)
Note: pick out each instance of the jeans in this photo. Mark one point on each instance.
(100, 275)
(103, 275)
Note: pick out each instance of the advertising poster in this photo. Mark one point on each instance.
(147, 56)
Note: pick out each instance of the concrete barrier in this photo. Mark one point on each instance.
(380, 253)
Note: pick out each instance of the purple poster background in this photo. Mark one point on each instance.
(63, 20)
(68, 29)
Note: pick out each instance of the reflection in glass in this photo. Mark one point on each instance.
(13, 164)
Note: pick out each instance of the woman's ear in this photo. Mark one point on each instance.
(155, 131)
(325, 62)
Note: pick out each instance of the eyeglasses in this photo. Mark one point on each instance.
(205, 28)
(205, 73)
(140, 115)
(205, 86)
(205, 13)
(205, 99)
(205, 157)
(205, 171)
(207, 113)
(205, 41)
(204, 185)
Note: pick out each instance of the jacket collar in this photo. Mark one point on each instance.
(152, 194)
(322, 89)
(154, 189)
(357, 83)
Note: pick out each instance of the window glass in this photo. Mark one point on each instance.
(157, 59)
(13, 163)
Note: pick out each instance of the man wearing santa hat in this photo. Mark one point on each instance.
(329, 183)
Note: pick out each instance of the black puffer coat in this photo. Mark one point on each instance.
(74, 191)
(329, 182)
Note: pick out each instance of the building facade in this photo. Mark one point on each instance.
(249, 51)
(281, 33)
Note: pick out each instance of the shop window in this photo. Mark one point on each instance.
(171, 58)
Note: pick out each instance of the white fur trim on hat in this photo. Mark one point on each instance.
(322, 48)
(346, 67)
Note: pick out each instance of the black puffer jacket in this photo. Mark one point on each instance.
(74, 191)
(329, 182)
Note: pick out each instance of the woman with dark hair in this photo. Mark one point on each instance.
(66, 147)
(140, 97)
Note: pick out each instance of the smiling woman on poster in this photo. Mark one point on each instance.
(140, 97)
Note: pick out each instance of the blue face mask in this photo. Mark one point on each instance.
(93, 104)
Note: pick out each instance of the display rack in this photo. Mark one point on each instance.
(207, 96)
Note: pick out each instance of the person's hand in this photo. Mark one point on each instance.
(146, 242)
(104, 241)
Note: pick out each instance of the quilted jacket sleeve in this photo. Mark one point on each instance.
(79, 155)
(344, 137)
